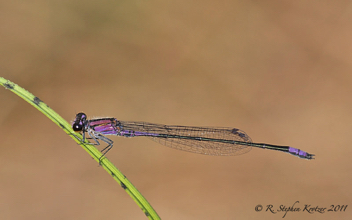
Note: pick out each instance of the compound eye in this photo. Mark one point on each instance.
(77, 127)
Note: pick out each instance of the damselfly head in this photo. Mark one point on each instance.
(78, 124)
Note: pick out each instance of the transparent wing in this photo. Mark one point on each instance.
(201, 140)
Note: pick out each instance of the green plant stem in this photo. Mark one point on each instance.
(94, 152)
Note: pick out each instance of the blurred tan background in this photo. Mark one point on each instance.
(279, 70)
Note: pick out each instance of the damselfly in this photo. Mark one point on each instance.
(203, 140)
